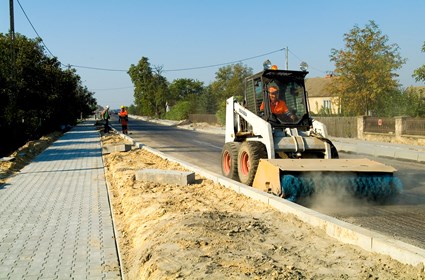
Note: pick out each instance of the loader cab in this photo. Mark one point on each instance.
(291, 90)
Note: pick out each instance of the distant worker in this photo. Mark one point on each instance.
(123, 119)
(277, 106)
(106, 116)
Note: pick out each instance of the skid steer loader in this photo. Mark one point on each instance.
(288, 153)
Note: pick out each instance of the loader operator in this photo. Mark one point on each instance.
(278, 106)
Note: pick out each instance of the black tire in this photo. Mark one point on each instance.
(334, 151)
(249, 156)
(229, 160)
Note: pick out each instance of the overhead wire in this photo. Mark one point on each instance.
(303, 60)
(97, 68)
(113, 88)
(226, 63)
(165, 70)
(189, 68)
(33, 28)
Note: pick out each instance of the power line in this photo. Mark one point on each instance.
(112, 88)
(34, 28)
(226, 63)
(165, 70)
(183, 69)
(303, 60)
(97, 68)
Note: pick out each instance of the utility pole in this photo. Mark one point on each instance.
(12, 39)
(12, 21)
(287, 58)
(12, 94)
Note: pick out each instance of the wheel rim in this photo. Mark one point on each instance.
(226, 163)
(245, 163)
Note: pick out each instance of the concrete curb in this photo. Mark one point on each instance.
(342, 231)
(165, 176)
(107, 149)
(388, 152)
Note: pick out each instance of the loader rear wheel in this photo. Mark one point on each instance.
(249, 157)
(229, 160)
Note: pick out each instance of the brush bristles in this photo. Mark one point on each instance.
(373, 186)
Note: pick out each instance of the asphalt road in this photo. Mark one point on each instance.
(401, 218)
(200, 149)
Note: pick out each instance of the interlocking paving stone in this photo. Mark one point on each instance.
(55, 218)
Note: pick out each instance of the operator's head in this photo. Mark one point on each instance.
(273, 92)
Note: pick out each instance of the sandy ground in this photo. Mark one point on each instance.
(205, 231)
(25, 155)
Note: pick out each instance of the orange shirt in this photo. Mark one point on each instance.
(278, 107)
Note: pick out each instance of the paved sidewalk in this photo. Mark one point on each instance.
(55, 219)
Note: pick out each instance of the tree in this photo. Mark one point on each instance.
(184, 98)
(142, 78)
(229, 81)
(414, 102)
(206, 103)
(365, 70)
(419, 74)
(183, 89)
(150, 88)
(36, 95)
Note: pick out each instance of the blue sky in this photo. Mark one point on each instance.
(196, 33)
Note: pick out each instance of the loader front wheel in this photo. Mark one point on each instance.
(249, 156)
(229, 160)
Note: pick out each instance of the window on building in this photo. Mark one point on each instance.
(327, 104)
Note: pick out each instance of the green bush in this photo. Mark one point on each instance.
(179, 112)
(221, 114)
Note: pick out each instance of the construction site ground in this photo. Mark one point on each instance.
(206, 231)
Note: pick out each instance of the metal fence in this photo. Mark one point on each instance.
(414, 126)
(345, 127)
(379, 125)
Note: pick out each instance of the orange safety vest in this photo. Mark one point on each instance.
(279, 107)
(123, 115)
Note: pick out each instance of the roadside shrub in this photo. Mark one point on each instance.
(179, 112)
